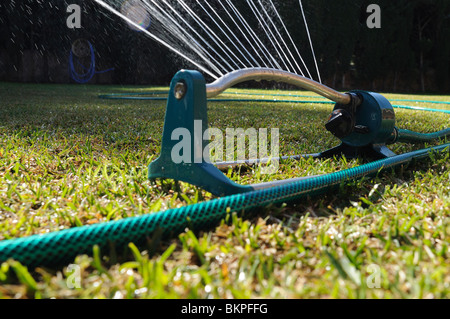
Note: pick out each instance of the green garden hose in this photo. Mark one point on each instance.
(151, 96)
(63, 246)
(407, 136)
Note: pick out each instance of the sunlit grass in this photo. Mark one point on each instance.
(69, 159)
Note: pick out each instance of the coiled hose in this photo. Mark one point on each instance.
(83, 78)
(63, 246)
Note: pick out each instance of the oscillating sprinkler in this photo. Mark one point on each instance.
(363, 121)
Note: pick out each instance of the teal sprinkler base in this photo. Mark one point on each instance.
(185, 154)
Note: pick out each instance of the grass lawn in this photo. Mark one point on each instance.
(69, 159)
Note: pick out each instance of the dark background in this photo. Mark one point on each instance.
(410, 53)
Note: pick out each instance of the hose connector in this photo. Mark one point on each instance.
(394, 136)
(342, 122)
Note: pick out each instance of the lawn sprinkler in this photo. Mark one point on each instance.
(363, 121)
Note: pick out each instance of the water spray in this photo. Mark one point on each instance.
(136, 11)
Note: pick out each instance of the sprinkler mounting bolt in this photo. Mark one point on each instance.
(180, 90)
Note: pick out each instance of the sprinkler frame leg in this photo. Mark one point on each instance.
(187, 112)
(373, 152)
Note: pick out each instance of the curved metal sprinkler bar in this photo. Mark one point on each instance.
(259, 74)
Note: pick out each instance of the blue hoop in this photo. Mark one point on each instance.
(83, 78)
